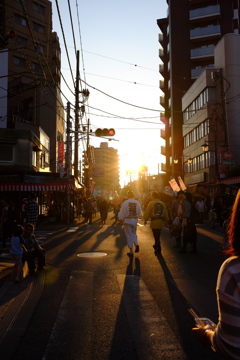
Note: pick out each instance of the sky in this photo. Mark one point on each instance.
(118, 45)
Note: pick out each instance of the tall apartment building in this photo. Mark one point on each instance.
(211, 118)
(30, 75)
(188, 37)
(105, 170)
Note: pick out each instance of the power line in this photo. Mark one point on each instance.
(70, 12)
(124, 102)
(64, 39)
(125, 62)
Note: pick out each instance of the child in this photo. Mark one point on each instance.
(17, 248)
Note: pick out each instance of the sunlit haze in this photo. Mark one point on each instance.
(119, 61)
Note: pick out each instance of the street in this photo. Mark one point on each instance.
(99, 303)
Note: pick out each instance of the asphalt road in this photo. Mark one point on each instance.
(99, 303)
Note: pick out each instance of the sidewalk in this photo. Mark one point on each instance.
(6, 262)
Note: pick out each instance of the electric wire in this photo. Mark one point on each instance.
(70, 13)
(124, 102)
(64, 39)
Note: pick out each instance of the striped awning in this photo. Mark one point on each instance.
(36, 187)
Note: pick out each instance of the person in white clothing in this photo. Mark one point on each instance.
(128, 216)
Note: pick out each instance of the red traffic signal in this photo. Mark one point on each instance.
(105, 132)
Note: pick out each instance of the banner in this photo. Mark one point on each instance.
(174, 185)
(181, 183)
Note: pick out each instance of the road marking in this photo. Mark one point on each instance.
(75, 313)
(153, 337)
(210, 234)
(152, 334)
(72, 229)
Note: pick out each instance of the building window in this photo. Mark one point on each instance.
(39, 8)
(22, 1)
(6, 153)
(38, 28)
(20, 41)
(39, 48)
(19, 61)
(20, 20)
(34, 158)
(36, 67)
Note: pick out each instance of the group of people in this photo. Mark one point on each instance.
(9, 215)
(156, 211)
(26, 248)
(129, 214)
(224, 337)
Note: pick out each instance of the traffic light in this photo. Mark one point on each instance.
(105, 132)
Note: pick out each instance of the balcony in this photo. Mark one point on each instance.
(162, 101)
(162, 117)
(202, 52)
(161, 84)
(161, 68)
(163, 133)
(205, 13)
(210, 31)
(163, 167)
(163, 150)
(196, 72)
(160, 38)
(161, 53)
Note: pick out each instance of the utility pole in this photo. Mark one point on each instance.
(76, 170)
(68, 159)
(88, 162)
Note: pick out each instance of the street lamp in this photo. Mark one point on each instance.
(205, 147)
(190, 160)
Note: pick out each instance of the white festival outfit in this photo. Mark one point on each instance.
(129, 214)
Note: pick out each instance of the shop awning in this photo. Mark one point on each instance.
(230, 181)
(36, 187)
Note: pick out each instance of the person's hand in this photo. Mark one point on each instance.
(202, 335)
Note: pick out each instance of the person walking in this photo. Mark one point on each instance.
(32, 210)
(179, 210)
(89, 209)
(225, 337)
(128, 216)
(189, 225)
(103, 209)
(34, 250)
(201, 207)
(158, 214)
(17, 249)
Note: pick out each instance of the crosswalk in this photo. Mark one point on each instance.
(152, 336)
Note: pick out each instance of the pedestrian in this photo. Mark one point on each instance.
(157, 212)
(17, 248)
(201, 207)
(189, 225)
(103, 209)
(34, 250)
(116, 209)
(128, 216)
(225, 337)
(89, 210)
(6, 222)
(32, 210)
(179, 210)
(24, 210)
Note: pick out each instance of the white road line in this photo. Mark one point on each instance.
(70, 318)
(152, 334)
